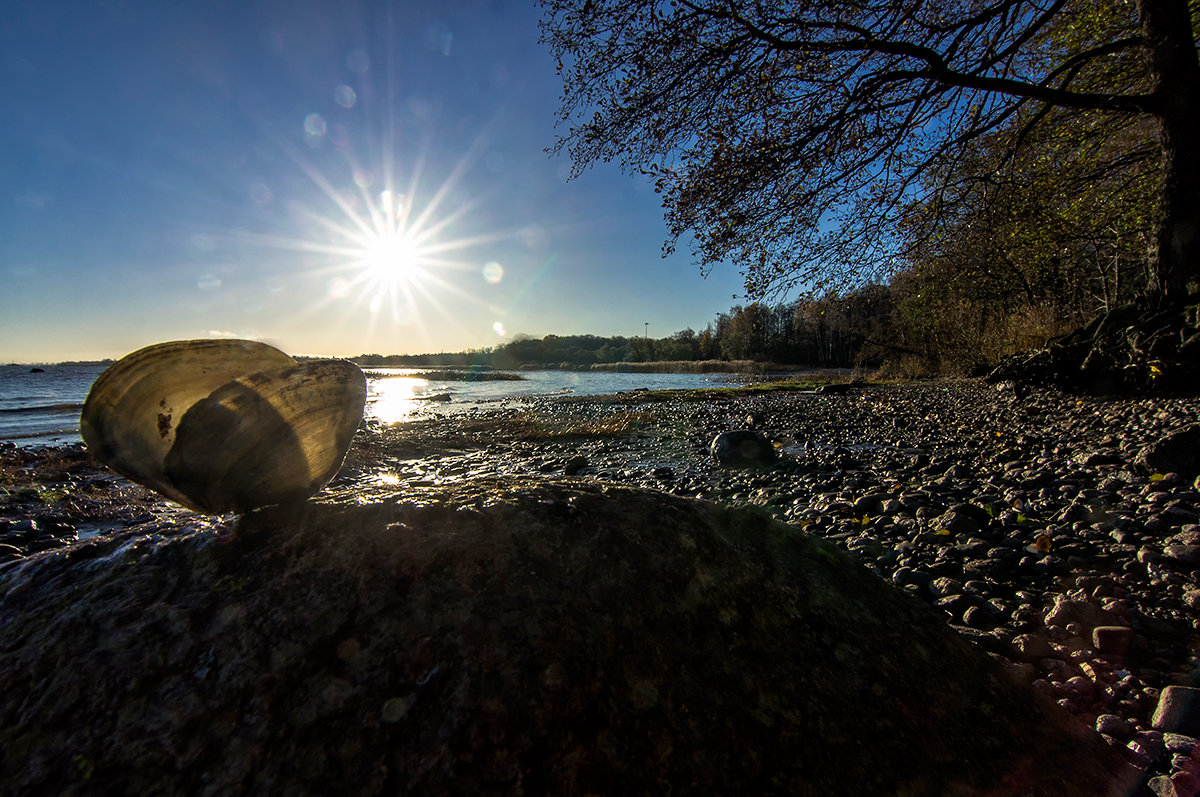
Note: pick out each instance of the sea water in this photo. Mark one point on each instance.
(41, 407)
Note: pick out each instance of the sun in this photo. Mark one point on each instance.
(384, 240)
(391, 258)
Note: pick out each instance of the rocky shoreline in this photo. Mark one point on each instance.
(1058, 533)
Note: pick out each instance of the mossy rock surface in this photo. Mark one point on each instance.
(519, 637)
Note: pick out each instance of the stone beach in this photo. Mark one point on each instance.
(1059, 534)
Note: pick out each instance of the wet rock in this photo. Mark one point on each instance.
(501, 636)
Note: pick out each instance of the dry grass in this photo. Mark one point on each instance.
(967, 342)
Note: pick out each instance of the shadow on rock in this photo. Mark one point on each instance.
(506, 637)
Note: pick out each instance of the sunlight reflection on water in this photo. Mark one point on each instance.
(400, 395)
(395, 398)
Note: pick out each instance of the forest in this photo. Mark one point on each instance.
(874, 327)
(923, 185)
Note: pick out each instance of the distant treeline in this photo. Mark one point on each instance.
(918, 324)
(821, 334)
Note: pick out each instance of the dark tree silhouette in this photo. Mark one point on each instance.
(792, 137)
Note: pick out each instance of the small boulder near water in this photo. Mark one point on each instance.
(742, 448)
(505, 637)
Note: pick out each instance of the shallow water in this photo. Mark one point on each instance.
(43, 408)
(397, 394)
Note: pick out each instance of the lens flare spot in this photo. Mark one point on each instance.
(344, 96)
(208, 282)
(498, 328)
(493, 272)
(315, 126)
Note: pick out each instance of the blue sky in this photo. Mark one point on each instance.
(330, 177)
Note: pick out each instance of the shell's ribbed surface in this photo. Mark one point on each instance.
(224, 425)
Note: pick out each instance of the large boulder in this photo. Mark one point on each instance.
(505, 637)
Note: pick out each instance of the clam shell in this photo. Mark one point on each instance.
(221, 425)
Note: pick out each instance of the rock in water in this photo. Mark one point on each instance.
(506, 637)
(742, 447)
(221, 425)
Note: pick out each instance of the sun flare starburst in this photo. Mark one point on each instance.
(392, 257)
(398, 252)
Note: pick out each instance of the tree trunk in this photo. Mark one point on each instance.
(1172, 59)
